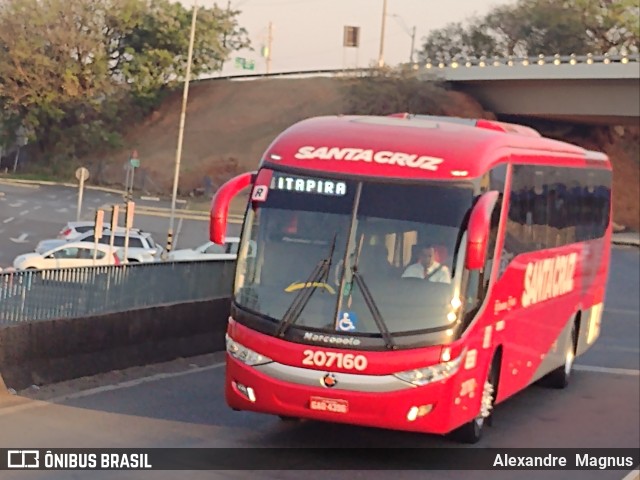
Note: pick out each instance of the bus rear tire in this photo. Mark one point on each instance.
(471, 432)
(559, 378)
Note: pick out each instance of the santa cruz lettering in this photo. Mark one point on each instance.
(401, 159)
(548, 278)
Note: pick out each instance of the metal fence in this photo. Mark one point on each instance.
(80, 292)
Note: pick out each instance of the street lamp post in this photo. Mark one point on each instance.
(183, 113)
(384, 23)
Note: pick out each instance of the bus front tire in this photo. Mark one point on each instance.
(471, 432)
(559, 378)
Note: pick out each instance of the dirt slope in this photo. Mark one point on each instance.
(230, 124)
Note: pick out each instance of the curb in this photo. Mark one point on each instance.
(37, 183)
(17, 181)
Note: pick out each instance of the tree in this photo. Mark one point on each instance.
(70, 68)
(456, 41)
(532, 27)
(612, 25)
(153, 56)
(53, 66)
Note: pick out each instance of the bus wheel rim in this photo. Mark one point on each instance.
(486, 403)
(568, 361)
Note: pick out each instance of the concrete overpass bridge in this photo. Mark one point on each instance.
(578, 89)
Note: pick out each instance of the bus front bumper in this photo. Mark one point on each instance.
(426, 409)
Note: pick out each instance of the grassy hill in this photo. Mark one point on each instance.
(230, 123)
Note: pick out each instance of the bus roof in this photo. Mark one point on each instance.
(408, 146)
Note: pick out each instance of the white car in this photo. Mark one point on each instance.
(209, 251)
(142, 247)
(72, 230)
(67, 255)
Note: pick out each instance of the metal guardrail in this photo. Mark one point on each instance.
(511, 61)
(456, 62)
(33, 295)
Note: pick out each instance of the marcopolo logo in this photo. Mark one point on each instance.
(23, 459)
(314, 337)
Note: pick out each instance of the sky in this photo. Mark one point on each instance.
(308, 34)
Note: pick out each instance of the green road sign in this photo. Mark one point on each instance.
(135, 162)
(244, 63)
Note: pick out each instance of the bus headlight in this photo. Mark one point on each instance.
(434, 373)
(244, 354)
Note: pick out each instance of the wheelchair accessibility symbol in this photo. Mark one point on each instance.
(347, 322)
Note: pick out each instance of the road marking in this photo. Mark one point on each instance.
(17, 204)
(632, 475)
(615, 348)
(151, 199)
(24, 212)
(52, 197)
(614, 371)
(37, 207)
(21, 239)
(106, 388)
(62, 210)
(7, 220)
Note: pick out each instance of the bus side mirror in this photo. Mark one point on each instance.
(478, 230)
(220, 205)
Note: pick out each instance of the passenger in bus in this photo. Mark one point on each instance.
(427, 267)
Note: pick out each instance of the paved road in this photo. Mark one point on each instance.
(186, 409)
(28, 215)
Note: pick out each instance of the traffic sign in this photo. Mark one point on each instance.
(134, 160)
(245, 64)
(82, 174)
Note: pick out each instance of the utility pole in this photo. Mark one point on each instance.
(183, 113)
(413, 43)
(384, 23)
(269, 43)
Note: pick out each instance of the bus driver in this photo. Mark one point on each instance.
(427, 267)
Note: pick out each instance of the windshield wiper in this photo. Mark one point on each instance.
(319, 274)
(373, 308)
(371, 304)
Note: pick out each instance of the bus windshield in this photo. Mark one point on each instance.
(342, 256)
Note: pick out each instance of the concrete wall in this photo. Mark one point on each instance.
(43, 352)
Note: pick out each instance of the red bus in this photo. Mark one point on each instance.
(411, 272)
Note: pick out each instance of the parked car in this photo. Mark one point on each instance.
(67, 255)
(142, 247)
(209, 251)
(73, 230)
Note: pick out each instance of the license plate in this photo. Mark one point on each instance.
(333, 405)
